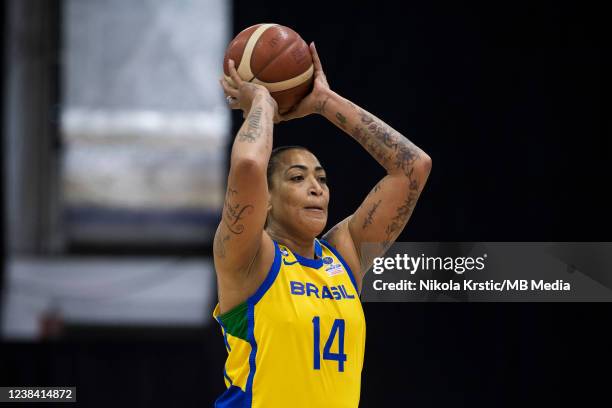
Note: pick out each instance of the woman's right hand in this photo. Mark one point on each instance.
(241, 94)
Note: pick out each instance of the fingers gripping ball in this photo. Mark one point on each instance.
(276, 57)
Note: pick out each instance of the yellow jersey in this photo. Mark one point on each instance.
(299, 341)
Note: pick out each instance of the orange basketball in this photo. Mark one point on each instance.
(276, 57)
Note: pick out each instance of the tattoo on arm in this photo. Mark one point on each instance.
(378, 139)
(405, 158)
(254, 129)
(234, 212)
(386, 146)
(404, 211)
(372, 146)
(341, 120)
(368, 220)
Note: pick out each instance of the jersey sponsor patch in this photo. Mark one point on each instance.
(333, 269)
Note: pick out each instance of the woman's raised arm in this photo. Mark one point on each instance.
(239, 234)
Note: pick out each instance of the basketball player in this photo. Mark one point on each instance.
(289, 303)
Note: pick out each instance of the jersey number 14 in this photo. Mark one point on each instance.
(337, 329)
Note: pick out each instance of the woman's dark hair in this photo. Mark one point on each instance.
(274, 159)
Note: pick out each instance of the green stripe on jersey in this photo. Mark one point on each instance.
(235, 321)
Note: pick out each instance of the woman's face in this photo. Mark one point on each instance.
(299, 194)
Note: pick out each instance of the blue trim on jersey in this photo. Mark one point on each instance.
(253, 343)
(227, 346)
(272, 274)
(234, 397)
(341, 259)
(318, 250)
(227, 376)
(251, 302)
(311, 263)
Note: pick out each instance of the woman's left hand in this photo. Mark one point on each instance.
(314, 102)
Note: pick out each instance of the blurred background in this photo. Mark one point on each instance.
(114, 158)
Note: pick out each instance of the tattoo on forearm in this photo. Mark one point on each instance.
(234, 212)
(386, 146)
(341, 120)
(405, 158)
(254, 129)
(320, 106)
(379, 131)
(396, 154)
(376, 149)
(368, 220)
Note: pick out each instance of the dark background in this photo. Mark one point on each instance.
(510, 99)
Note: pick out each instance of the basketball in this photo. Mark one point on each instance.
(276, 57)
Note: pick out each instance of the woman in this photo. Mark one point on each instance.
(289, 303)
